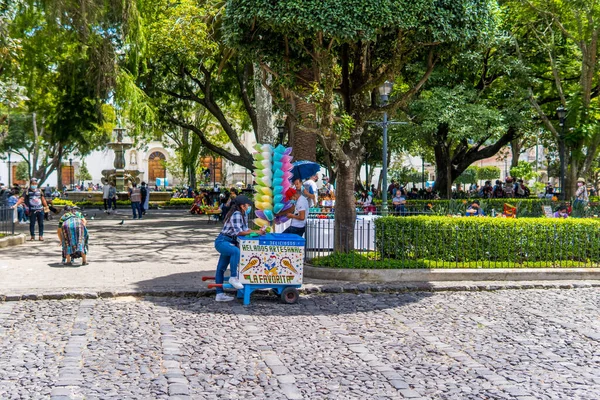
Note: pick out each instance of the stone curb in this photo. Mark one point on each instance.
(13, 240)
(452, 275)
(340, 287)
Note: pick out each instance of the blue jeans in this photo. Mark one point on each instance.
(230, 255)
(39, 217)
(296, 231)
(21, 214)
(136, 207)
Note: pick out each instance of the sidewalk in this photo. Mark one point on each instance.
(168, 252)
(168, 249)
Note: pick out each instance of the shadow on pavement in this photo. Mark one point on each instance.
(265, 302)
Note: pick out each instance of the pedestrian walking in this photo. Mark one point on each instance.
(106, 196)
(34, 199)
(73, 236)
(226, 243)
(135, 196)
(581, 195)
(145, 203)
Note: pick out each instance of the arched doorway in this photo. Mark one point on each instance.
(156, 168)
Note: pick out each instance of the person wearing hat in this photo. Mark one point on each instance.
(34, 199)
(581, 195)
(73, 236)
(235, 224)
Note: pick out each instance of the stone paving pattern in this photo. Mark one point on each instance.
(517, 344)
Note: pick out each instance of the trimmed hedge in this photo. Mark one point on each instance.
(356, 260)
(459, 240)
(182, 201)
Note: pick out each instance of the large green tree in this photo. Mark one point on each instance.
(68, 64)
(558, 41)
(187, 70)
(351, 49)
(474, 104)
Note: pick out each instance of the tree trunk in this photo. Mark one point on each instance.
(264, 108)
(571, 177)
(515, 150)
(304, 143)
(345, 211)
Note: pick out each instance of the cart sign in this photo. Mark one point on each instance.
(276, 259)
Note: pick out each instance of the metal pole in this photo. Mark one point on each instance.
(214, 173)
(384, 206)
(423, 171)
(561, 146)
(9, 171)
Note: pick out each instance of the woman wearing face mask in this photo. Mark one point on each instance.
(35, 200)
(226, 243)
(581, 195)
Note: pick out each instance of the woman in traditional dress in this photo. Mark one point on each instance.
(73, 236)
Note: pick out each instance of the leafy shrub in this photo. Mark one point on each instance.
(61, 202)
(488, 239)
(183, 201)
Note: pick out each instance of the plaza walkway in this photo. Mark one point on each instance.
(506, 344)
(167, 249)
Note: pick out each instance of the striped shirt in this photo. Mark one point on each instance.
(235, 225)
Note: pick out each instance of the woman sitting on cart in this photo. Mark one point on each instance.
(235, 224)
(73, 235)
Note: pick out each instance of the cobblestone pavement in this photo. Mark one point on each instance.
(517, 344)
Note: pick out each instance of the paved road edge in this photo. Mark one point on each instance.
(452, 275)
(336, 287)
(13, 240)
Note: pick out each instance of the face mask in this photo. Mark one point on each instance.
(33, 187)
(370, 193)
(579, 183)
(292, 201)
(248, 210)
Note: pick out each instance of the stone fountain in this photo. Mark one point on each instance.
(119, 176)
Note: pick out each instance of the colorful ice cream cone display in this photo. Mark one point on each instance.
(273, 166)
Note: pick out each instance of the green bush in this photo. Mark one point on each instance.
(60, 202)
(183, 201)
(461, 240)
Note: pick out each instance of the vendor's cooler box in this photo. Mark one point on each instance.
(271, 259)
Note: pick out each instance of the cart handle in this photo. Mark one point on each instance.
(208, 278)
(215, 285)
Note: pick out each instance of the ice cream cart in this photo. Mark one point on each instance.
(272, 261)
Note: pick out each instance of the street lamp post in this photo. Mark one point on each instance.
(71, 172)
(9, 171)
(423, 171)
(281, 131)
(562, 116)
(384, 93)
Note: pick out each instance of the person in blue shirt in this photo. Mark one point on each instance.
(475, 210)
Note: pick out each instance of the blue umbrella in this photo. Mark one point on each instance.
(304, 169)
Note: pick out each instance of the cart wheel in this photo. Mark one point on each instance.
(289, 295)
